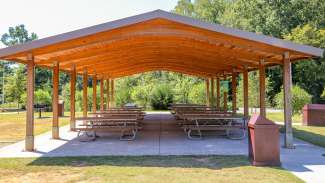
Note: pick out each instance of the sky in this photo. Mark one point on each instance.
(51, 17)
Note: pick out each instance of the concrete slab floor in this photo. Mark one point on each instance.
(162, 136)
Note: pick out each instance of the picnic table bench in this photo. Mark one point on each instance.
(234, 126)
(127, 126)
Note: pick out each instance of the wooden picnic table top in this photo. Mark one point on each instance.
(190, 106)
(213, 117)
(125, 108)
(117, 113)
(203, 112)
(207, 114)
(106, 119)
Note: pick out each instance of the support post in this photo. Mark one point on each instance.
(85, 93)
(55, 102)
(287, 84)
(262, 88)
(29, 139)
(112, 93)
(73, 77)
(107, 94)
(207, 92)
(218, 94)
(234, 91)
(212, 92)
(225, 107)
(102, 95)
(245, 89)
(94, 93)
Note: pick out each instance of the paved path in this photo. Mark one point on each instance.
(161, 136)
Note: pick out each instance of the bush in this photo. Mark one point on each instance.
(299, 98)
(161, 97)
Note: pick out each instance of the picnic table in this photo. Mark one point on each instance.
(234, 126)
(126, 125)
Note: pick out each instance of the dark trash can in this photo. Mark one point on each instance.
(314, 115)
(264, 146)
(61, 108)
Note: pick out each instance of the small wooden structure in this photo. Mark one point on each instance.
(157, 40)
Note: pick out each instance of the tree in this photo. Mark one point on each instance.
(197, 93)
(16, 86)
(16, 82)
(184, 7)
(17, 35)
(308, 74)
(43, 97)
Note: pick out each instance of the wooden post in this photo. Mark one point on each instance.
(225, 100)
(225, 97)
(234, 90)
(218, 94)
(29, 138)
(212, 92)
(73, 77)
(85, 93)
(207, 92)
(107, 94)
(262, 88)
(287, 84)
(55, 102)
(94, 93)
(245, 89)
(112, 94)
(102, 95)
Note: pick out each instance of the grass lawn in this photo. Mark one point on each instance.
(312, 134)
(148, 169)
(13, 125)
(279, 117)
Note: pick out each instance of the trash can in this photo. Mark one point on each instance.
(61, 108)
(263, 141)
(314, 115)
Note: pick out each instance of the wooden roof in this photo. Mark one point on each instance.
(158, 40)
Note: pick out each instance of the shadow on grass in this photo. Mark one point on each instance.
(210, 162)
(307, 136)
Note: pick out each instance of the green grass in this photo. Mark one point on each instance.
(312, 134)
(12, 105)
(279, 117)
(148, 169)
(13, 125)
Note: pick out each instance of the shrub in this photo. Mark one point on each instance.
(161, 97)
(299, 98)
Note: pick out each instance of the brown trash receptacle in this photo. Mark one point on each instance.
(61, 108)
(264, 146)
(314, 115)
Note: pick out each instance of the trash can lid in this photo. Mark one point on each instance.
(314, 106)
(257, 119)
